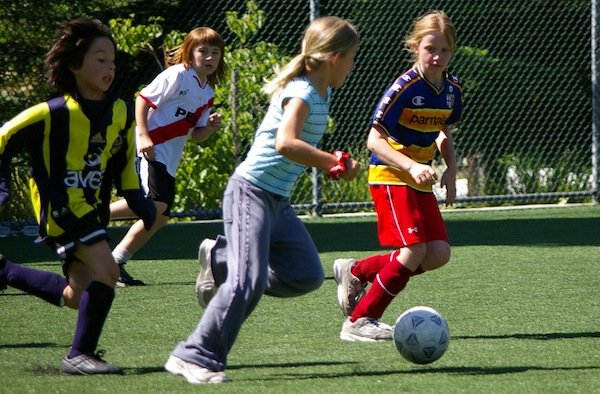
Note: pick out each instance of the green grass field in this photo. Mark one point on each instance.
(521, 296)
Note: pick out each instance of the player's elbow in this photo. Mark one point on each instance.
(373, 139)
(283, 147)
(370, 145)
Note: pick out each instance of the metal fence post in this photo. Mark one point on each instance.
(595, 32)
(317, 187)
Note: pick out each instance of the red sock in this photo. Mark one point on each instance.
(368, 268)
(392, 278)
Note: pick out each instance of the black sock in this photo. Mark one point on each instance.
(43, 284)
(94, 306)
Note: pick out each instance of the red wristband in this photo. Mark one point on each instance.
(337, 170)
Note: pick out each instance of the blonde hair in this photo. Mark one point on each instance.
(433, 21)
(324, 37)
(184, 52)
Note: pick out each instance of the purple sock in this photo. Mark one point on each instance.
(43, 284)
(94, 306)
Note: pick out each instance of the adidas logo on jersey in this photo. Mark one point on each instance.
(97, 139)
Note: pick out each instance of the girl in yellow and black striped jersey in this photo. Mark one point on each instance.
(79, 143)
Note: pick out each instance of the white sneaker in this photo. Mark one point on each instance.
(349, 288)
(194, 374)
(205, 282)
(366, 329)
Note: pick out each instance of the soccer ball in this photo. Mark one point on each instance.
(421, 335)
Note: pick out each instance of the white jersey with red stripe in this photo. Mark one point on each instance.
(178, 101)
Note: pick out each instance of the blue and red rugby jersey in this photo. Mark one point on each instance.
(411, 114)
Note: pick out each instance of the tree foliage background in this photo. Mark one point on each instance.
(525, 66)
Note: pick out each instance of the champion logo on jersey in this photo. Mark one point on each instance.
(418, 101)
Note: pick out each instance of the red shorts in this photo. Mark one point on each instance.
(406, 216)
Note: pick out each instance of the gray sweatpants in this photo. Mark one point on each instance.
(267, 250)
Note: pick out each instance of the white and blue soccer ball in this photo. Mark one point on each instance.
(421, 335)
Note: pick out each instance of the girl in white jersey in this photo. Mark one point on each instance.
(173, 108)
(266, 248)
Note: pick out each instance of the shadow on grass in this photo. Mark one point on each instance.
(181, 240)
(150, 370)
(464, 370)
(540, 337)
(32, 345)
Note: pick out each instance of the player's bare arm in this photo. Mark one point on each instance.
(445, 145)
(201, 134)
(377, 143)
(289, 144)
(145, 144)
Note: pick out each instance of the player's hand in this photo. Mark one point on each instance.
(215, 121)
(352, 169)
(146, 147)
(336, 172)
(449, 182)
(423, 174)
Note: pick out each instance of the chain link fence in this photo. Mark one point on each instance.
(526, 134)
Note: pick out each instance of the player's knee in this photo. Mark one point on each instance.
(113, 276)
(413, 255)
(109, 274)
(161, 208)
(71, 296)
(161, 220)
(313, 283)
(438, 254)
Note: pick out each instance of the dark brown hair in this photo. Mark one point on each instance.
(72, 42)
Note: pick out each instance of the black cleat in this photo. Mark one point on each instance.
(126, 280)
(88, 364)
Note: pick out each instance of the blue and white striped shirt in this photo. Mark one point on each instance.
(266, 168)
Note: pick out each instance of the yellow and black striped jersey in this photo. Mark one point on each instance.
(70, 142)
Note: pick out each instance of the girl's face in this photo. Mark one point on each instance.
(205, 60)
(97, 71)
(342, 67)
(433, 54)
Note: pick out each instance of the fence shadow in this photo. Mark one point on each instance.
(181, 240)
(347, 235)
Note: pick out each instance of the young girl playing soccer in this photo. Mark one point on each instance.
(412, 118)
(73, 141)
(266, 248)
(174, 107)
